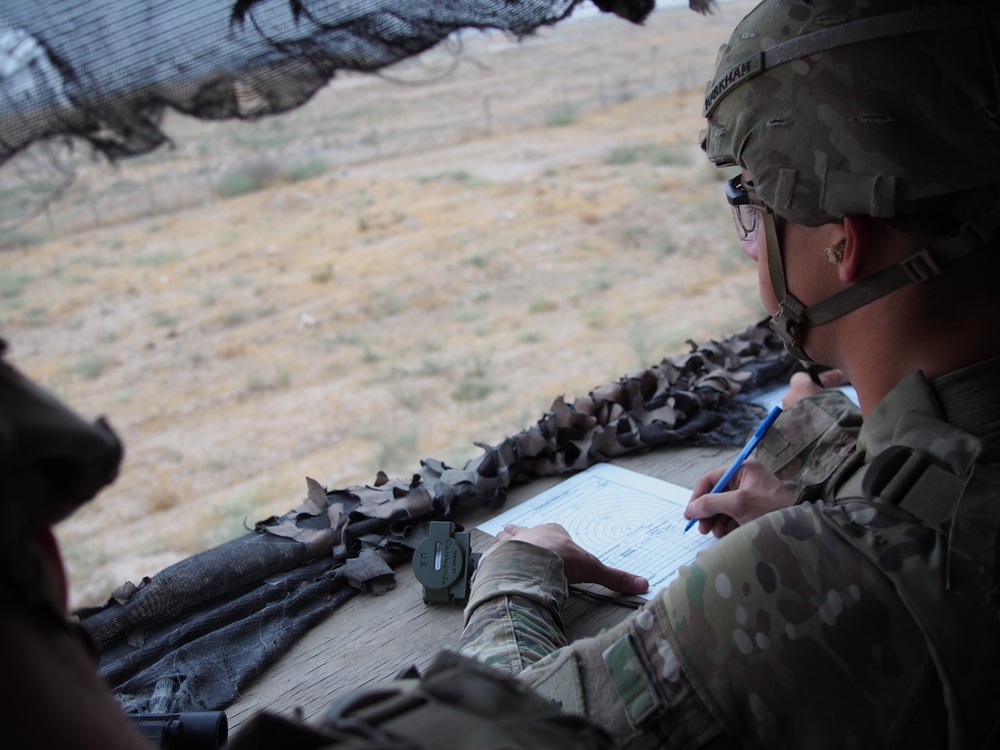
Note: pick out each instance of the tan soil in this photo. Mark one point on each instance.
(536, 223)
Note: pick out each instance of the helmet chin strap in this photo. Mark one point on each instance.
(790, 321)
(793, 318)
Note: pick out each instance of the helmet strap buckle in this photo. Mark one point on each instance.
(789, 323)
(921, 266)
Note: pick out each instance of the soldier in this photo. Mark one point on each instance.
(850, 602)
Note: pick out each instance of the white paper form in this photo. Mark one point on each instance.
(628, 520)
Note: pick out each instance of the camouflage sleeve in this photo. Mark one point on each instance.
(777, 636)
(513, 616)
(627, 679)
(810, 439)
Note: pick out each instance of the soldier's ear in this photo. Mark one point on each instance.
(856, 236)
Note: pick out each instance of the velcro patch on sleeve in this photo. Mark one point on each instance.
(561, 684)
(632, 679)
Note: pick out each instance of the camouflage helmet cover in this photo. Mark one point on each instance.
(841, 107)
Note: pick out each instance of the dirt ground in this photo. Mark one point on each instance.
(409, 268)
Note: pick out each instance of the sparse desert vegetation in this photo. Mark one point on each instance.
(389, 273)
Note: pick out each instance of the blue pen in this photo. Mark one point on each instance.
(757, 436)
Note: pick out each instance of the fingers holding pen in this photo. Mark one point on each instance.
(752, 492)
(712, 510)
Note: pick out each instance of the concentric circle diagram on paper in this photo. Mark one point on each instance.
(628, 520)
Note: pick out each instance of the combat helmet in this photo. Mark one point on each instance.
(862, 107)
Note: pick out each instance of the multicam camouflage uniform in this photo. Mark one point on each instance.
(863, 616)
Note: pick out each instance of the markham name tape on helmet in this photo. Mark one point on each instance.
(876, 108)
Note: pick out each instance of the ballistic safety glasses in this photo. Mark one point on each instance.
(744, 210)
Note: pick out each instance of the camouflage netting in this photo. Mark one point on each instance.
(190, 637)
(105, 72)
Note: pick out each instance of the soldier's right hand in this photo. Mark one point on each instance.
(752, 492)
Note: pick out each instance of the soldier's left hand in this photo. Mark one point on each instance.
(579, 565)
